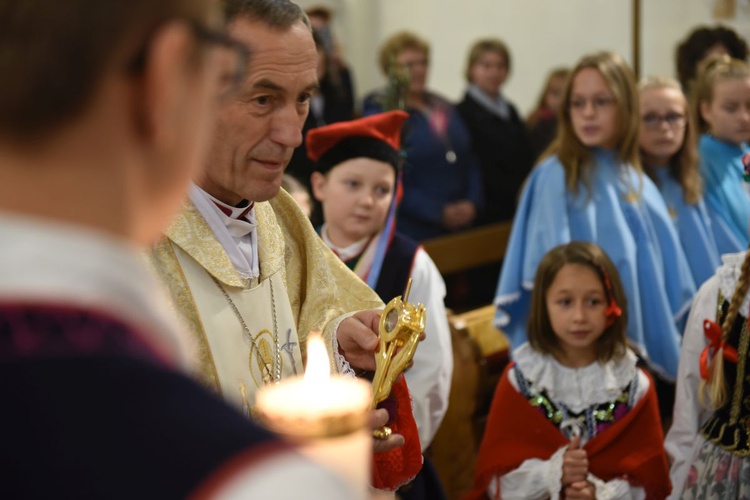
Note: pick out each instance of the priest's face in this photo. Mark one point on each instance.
(259, 129)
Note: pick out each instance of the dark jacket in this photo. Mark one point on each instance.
(504, 153)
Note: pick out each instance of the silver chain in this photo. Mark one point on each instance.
(277, 371)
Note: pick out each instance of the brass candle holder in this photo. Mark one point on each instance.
(400, 329)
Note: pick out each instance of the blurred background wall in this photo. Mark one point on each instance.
(541, 34)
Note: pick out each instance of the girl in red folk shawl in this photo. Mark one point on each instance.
(709, 442)
(574, 415)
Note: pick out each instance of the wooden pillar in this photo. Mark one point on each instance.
(636, 38)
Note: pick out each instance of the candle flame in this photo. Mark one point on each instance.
(318, 369)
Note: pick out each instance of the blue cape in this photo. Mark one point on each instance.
(624, 214)
(693, 227)
(726, 201)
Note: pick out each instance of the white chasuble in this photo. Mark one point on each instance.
(245, 357)
(312, 290)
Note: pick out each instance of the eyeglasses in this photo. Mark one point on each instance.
(598, 103)
(237, 53)
(653, 121)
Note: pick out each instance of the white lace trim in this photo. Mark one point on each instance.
(344, 253)
(728, 274)
(615, 489)
(579, 388)
(342, 365)
(554, 472)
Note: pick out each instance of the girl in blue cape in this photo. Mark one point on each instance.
(721, 105)
(590, 187)
(670, 158)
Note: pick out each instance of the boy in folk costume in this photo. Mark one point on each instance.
(357, 182)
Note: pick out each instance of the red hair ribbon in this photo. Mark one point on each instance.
(712, 331)
(613, 311)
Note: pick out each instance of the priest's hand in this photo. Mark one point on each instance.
(358, 339)
(575, 465)
(379, 418)
(580, 490)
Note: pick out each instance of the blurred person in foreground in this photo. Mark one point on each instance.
(105, 109)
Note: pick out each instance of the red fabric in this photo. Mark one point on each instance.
(630, 448)
(394, 468)
(382, 126)
(228, 211)
(712, 331)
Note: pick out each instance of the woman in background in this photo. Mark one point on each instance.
(542, 122)
(498, 136)
(443, 189)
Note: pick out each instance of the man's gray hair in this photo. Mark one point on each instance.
(279, 14)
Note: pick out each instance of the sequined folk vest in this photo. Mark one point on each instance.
(728, 426)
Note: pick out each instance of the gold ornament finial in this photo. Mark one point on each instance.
(401, 326)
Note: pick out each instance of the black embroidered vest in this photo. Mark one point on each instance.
(728, 426)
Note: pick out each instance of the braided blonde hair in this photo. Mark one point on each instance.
(713, 392)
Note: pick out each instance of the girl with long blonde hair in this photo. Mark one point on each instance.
(670, 158)
(721, 108)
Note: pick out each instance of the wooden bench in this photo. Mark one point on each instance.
(480, 352)
(469, 249)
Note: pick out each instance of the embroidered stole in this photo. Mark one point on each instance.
(240, 367)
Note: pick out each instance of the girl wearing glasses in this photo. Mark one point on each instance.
(670, 158)
(721, 106)
(590, 187)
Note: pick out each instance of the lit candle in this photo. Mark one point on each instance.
(326, 416)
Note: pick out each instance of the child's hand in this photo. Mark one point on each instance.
(581, 489)
(575, 464)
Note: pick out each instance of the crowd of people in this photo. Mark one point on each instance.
(650, 175)
(156, 276)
